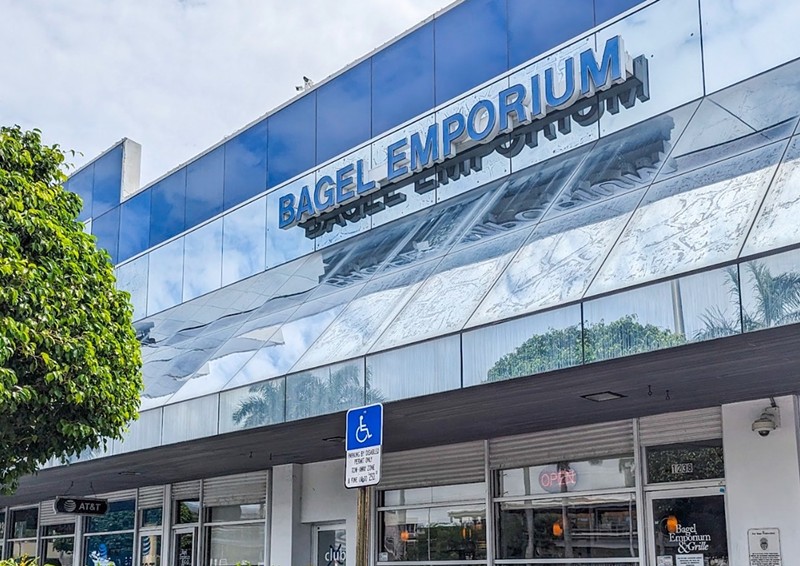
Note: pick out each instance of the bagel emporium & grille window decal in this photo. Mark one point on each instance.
(579, 90)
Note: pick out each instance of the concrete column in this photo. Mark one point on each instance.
(290, 539)
(762, 475)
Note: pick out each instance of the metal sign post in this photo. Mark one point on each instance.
(363, 443)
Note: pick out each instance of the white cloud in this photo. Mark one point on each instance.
(176, 76)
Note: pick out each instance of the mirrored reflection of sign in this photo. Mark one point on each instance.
(331, 547)
(765, 547)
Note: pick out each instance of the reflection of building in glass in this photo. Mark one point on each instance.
(566, 303)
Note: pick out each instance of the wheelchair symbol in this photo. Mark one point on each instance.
(362, 432)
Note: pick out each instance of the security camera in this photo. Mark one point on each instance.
(769, 420)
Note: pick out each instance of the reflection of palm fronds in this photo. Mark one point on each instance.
(264, 403)
(777, 298)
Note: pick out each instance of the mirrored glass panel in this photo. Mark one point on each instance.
(292, 139)
(325, 390)
(362, 321)
(451, 292)
(165, 282)
(471, 46)
(771, 291)
(168, 207)
(735, 44)
(776, 225)
(622, 162)
(435, 494)
(81, 183)
(545, 139)
(245, 165)
(536, 27)
(344, 111)
(691, 221)
(673, 54)
(558, 261)
(244, 241)
(107, 186)
(202, 267)
(204, 180)
(132, 277)
(460, 173)
(348, 222)
(134, 234)
(191, 419)
(106, 229)
(526, 346)
(402, 79)
(421, 369)
(691, 309)
(293, 338)
(284, 244)
(260, 404)
(142, 433)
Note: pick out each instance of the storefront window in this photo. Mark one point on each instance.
(151, 517)
(109, 538)
(22, 533)
(690, 530)
(568, 477)
(58, 544)
(451, 527)
(150, 548)
(236, 534)
(687, 461)
(579, 527)
(187, 511)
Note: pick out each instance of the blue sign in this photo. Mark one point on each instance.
(364, 427)
(557, 88)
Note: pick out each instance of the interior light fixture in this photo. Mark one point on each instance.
(603, 396)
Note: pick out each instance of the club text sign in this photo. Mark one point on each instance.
(536, 104)
(75, 506)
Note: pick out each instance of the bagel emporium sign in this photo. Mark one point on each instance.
(575, 91)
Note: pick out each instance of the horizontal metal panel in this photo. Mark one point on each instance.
(440, 465)
(235, 490)
(48, 515)
(152, 496)
(685, 426)
(115, 495)
(570, 444)
(186, 490)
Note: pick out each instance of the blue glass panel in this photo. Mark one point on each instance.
(204, 187)
(107, 181)
(343, 112)
(607, 9)
(471, 46)
(292, 135)
(245, 165)
(536, 26)
(402, 80)
(168, 207)
(81, 184)
(135, 217)
(106, 229)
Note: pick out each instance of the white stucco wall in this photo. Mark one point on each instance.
(762, 477)
(326, 500)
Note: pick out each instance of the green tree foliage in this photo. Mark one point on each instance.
(69, 358)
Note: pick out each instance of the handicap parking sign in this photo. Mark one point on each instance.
(363, 443)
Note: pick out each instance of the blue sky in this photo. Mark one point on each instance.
(176, 76)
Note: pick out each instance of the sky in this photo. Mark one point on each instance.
(176, 76)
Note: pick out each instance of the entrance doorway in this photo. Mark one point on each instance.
(687, 527)
(185, 549)
(330, 544)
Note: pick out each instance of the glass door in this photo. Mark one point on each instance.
(330, 545)
(185, 549)
(687, 527)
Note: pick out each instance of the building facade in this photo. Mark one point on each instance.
(557, 240)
